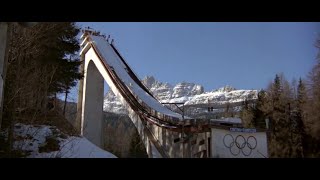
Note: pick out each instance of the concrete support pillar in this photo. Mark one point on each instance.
(77, 123)
(92, 112)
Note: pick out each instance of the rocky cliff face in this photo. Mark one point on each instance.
(112, 104)
(185, 89)
(161, 90)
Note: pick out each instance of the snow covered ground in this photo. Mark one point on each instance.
(228, 120)
(32, 138)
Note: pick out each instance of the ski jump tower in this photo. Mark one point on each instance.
(164, 133)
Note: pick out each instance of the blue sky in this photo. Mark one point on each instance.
(243, 55)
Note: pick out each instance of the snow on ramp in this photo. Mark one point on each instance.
(113, 60)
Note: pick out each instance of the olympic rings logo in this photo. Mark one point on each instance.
(240, 144)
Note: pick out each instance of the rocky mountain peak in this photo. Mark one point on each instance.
(226, 88)
(184, 92)
(149, 81)
(187, 89)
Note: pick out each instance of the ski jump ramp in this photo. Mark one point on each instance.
(163, 131)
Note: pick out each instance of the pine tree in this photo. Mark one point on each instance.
(313, 119)
(39, 63)
(259, 115)
(299, 116)
(301, 102)
(247, 115)
(137, 149)
(279, 114)
(38, 68)
(311, 116)
(227, 112)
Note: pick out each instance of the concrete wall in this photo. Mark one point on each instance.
(199, 145)
(196, 146)
(227, 144)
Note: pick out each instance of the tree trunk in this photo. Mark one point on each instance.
(11, 132)
(65, 102)
(55, 101)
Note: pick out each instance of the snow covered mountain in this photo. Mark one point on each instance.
(190, 94)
